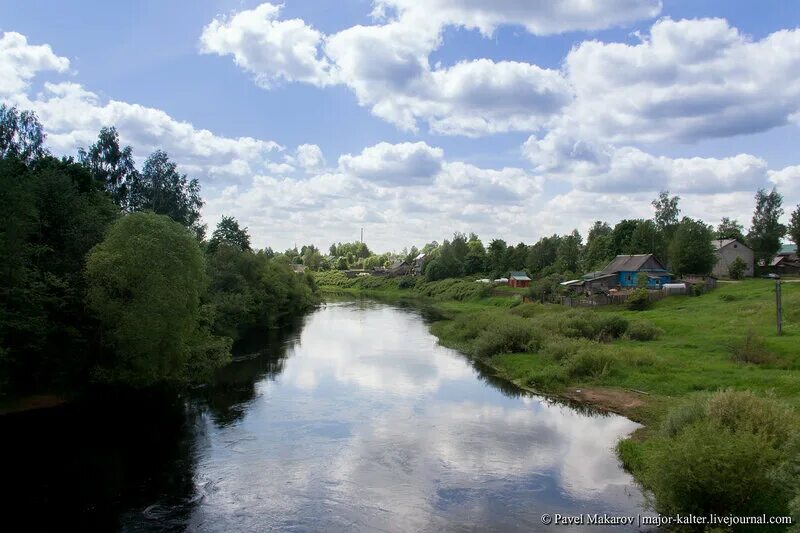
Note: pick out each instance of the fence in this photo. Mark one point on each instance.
(603, 299)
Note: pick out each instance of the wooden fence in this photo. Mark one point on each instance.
(602, 299)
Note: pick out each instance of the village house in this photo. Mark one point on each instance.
(786, 261)
(419, 264)
(518, 279)
(624, 272)
(726, 251)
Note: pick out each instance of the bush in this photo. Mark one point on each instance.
(611, 327)
(507, 336)
(560, 348)
(639, 300)
(405, 283)
(643, 330)
(751, 349)
(737, 269)
(591, 361)
(728, 453)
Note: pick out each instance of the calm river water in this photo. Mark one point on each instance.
(355, 420)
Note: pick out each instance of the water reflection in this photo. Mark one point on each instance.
(372, 425)
(354, 420)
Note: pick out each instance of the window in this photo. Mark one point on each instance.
(629, 277)
(735, 245)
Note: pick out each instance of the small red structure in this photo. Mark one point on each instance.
(518, 279)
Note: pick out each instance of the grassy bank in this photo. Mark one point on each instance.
(663, 367)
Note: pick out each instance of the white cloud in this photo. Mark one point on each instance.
(309, 157)
(395, 164)
(73, 116)
(597, 167)
(20, 62)
(271, 49)
(539, 18)
(686, 80)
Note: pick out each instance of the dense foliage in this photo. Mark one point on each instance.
(105, 274)
(728, 453)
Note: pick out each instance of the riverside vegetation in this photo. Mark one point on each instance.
(717, 390)
(107, 277)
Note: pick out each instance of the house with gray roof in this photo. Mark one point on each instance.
(626, 270)
(726, 251)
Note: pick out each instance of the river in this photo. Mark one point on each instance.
(356, 419)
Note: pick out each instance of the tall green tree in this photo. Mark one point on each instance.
(646, 239)
(476, 256)
(766, 230)
(598, 250)
(730, 228)
(569, 252)
(794, 226)
(496, 257)
(110, 165)
(691, 251)
(160, 188)
(21, 135)
(621, 236)
(145, 283)
(229, 232)
(667, 211)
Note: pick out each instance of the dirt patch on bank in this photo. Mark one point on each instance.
(621, 401)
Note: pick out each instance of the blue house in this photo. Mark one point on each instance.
(624, 272)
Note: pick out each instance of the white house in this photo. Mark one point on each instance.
(727, 250)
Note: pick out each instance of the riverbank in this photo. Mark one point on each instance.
(646, 365)
(679, 347)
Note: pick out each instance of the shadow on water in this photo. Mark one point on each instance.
(260, 355)
(89, 463)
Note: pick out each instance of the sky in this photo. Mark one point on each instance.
(514, 119)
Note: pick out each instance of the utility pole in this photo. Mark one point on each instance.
(778, 307)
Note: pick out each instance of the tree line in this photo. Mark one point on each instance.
(682, 243)
(107, 274)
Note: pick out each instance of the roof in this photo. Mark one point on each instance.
(598, 274)
(518, 275)
(630, 263)
(718, 244)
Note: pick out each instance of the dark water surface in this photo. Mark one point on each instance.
(356, 420)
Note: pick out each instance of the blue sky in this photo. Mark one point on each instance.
(498, 117)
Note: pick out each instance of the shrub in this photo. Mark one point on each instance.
(644, 330)
(560, 348)
(728, 453)
(591, 361)
(737, 269)
(751, 349)
(611, 327)
(405, 283)
(639, 300)
(507, 336)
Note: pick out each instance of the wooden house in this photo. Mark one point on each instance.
(518, 279)
(726, 252)
(625, 271)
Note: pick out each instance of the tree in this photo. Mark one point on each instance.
(729, 228)
(794, 226)
(496, 257)
(646, 239)
(162, 189)
(111, 166)
(597, 252)
(737, 268)
(476, 256)
(229, 233)
(145, 283)
(691, 251)
(667, 211)
(766, 230)
(621, 236)
(569, 252)
(21, 135)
